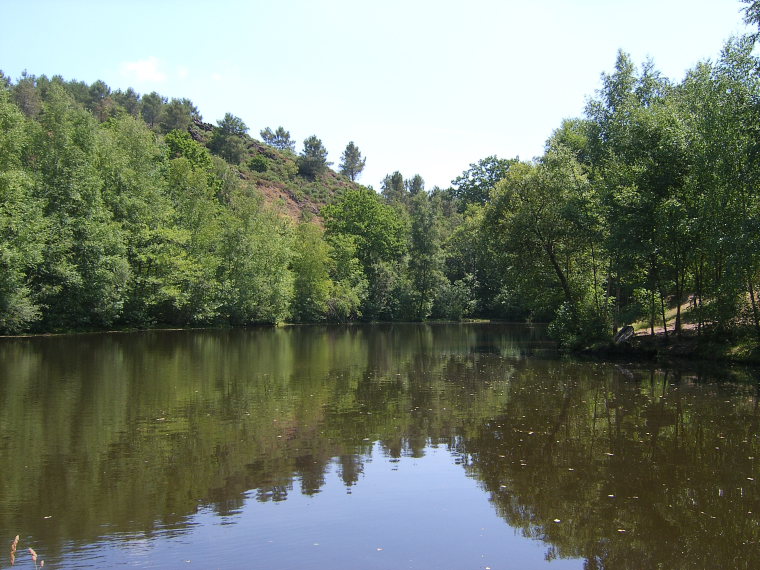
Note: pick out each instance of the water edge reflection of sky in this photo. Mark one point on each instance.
(415, 446)
(367, 525)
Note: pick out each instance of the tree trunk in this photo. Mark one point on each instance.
(755, 314)
(562, 280)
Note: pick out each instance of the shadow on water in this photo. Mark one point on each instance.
(136, 433)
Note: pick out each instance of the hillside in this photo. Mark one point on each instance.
(274, 172)
(126, 210)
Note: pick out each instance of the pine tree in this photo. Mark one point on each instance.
(352, 162)
(313, 159)
(278, 139)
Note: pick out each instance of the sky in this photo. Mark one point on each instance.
(421, 86)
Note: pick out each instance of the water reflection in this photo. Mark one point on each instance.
(136, 434)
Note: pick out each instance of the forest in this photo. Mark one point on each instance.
(121, 210)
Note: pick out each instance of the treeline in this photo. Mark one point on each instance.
(121, 210)
(648, 200)
(126, 210)
(115, 212)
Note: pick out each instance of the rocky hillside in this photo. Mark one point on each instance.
(275, 174)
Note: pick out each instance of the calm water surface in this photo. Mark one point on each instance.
(387, 447)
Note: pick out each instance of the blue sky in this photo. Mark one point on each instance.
(421, 86)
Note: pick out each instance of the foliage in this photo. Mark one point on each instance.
(351, 161)
(126, 210)
(310, 265)
(279, 139)
(377, 231)
(475, 184)
(228, 139)
(313, 159)
(258, 163)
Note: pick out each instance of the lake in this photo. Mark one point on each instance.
(464, 446)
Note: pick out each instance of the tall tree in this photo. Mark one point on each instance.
(351, 162)
(152, 106)
(414, 185)
(393, 188)
(83, 274)
(312, 284)
(23, 230)
(425, 256)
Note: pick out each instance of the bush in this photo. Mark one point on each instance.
(587, 326)
(259, 163)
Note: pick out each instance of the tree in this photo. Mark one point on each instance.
(278, 139)
(310, 266)
(228, 139)
(26, 95)
(476, 183)
(313, 159)
(23, 230)
(415, 185)
(393, 188)
(152, 105)
(349, 283)
(133, 164)
(256, 250)
(378, 231)
(352, 162)
(425, 257)
(380, 236)
(752, 16)
(129, 100)
(539, 212)
(178, 115)
(83, 275)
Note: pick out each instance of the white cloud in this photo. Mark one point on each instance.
(217, 76)
(144, 70)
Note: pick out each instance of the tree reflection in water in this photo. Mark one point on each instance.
(134, 433)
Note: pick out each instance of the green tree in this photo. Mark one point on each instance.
(23, 230)
(152, 107)
(310, 266)
(476, 183)
(415, 185)
(128, 100)
(352, 162)
(27, 96)
(313, 159)
(393, 188)
(278, 139)
(537, 212)
(133, 164)
(228, 139)
(380, 236)
(180, 143)
(83, 275)
(349, 283)
(256, 251)
(425, 256)
(178, 114)
(378, 231)
(717, 101)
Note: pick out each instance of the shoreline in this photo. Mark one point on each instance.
(688, 347)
